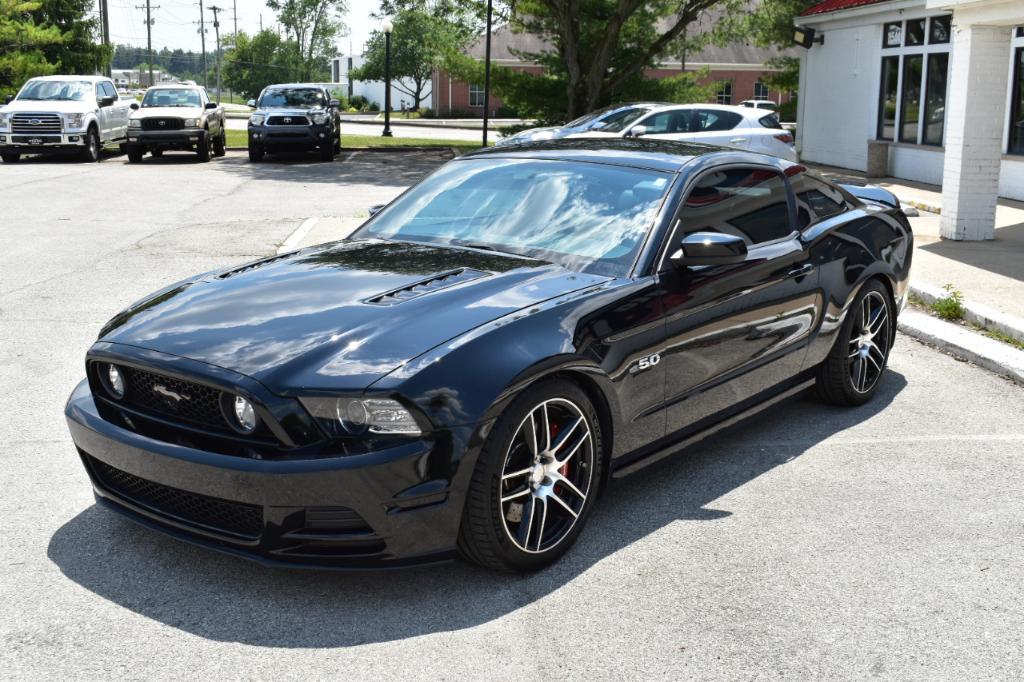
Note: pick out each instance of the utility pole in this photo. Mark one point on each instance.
(216, 31)
(202, 38)
(105, 34)
(234, 14)
(149, 37)
(261, 22)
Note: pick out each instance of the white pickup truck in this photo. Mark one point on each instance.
(63, 113)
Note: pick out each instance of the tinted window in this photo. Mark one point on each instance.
(711, 120)
(750, 203)
(935, 98)
(770, 121)
(586, 217)
(667, 122)
(108, 89)
(887, 101)
(624, 122)
(1017, 105)
(911, 109)
(816, 199)
(293, 97)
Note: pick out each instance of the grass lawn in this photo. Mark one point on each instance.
(239, 138)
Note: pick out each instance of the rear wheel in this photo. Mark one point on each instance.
(91, 151)
(10, 157)
(853, 370)
(535, 482)
(156, 153)
(220, 144)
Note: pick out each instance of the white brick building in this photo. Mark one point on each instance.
(941, 81)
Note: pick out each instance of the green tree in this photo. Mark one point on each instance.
(78, 51)
(312, 27)
(252, 63)
(22, 45)
(418, 45)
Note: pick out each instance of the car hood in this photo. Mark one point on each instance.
(595, 133)
(168, 112)
(47, 106)
(337, 316)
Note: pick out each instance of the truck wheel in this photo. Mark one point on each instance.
(135, 154)
(156, 153)
(10, 157)
(220, 144)
(337, 144)
(91, 152)
(255, 152)
(204, 147)
(327, 151)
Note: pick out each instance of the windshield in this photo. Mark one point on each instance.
(584, 216)
(292, 97)
(622, 123)
(171, 97)
(586, 118)
(67, 91)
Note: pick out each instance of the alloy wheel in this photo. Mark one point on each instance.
(870, 339)
(547, 475)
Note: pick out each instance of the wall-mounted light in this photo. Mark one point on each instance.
(806, 37)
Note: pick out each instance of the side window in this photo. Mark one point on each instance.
(711, 120)
(108, 89)
(204, 97)
(747, 202)
(816, 200)
(667, 122)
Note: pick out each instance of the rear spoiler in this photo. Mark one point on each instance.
(873, 193)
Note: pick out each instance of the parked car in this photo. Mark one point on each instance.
(595, 120)
(470, 368)
(742, 127)
(176, 117)
(760, 104)
(53, 114)
(294, 117)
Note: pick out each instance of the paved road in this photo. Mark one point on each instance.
(421, 132)
(886, 541)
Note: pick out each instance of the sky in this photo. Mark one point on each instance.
(175, 22)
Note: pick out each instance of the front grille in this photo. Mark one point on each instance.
(235, 518)
(287, 121)
(154, 393)
(163, 124)
(36, 124)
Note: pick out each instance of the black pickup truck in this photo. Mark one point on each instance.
(294, 117)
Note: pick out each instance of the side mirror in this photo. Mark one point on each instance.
(8, 99)
(105, 101)
(335, 103)
(375, 209)
(211, 105)
(134, 106)
(251, 104)
(636, 131)
(709, 248)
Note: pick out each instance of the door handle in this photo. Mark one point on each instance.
(800, 271)
(737, 140)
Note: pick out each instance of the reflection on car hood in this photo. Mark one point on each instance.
(47, 106)
(338, 316)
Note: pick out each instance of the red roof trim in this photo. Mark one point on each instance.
(836, 5)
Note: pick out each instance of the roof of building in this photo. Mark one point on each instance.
(837, 5)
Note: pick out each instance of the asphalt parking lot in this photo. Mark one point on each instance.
(884, 541)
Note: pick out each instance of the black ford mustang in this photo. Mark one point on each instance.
(467, 371)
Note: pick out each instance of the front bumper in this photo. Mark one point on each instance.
(386, 508)
(290, 138)
(174, 140)
(41, 144)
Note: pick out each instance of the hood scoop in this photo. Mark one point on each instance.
(426, 286)
(252, 266)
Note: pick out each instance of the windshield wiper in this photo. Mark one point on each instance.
(472, 245)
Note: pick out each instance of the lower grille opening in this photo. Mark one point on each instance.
(224, 516)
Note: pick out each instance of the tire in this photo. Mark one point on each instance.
(220, 144)
(203, 149)
(156, 153)
(513, 467)
(327, 151)
(91, 151)
(10, 157)
(854, 368)
(337, 144)
(135, 154)
(255, 152)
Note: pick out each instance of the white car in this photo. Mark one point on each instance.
(63, 114)
(746, 128)
(760, 104)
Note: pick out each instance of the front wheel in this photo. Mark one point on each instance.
(220, 144)
(135, 154)
(203, 148)
(535, 481)
(10, 157)
(853, 370)
(327, 151)
(91, 152)
(255, 153)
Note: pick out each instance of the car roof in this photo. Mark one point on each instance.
(295, 85)
(656, 155)
(174, 86)
(745, 112)
(70, 77)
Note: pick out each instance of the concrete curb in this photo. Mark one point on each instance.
(993, 355)
(978, 313)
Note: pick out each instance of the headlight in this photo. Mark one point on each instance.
(191, 122)
(73, 120)
(113, 381)
(320, 119)
(256, 119)
(245, 415)
(134, 123)
(356, 416)
(5, 120)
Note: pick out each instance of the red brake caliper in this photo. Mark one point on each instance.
(565, 467)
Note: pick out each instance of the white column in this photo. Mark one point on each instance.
(976, 116)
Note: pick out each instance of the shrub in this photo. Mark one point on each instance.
(950, 306)
(358, 102)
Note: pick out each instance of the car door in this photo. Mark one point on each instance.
(718, 126)
(117, 113)
(733, 331)
(102, 112)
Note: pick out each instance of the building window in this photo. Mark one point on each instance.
(1016, 145)
(935, 98)
(892, 36)
(938, 29)
(887, 105)
(910, 105)
(724, 95)
(915, 32)
(476, 95)
(761, 91)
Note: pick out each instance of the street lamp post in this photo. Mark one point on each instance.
(388, 27)
(487, 72)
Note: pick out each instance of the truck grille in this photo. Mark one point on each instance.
(225, 516)
(287, 121)
(163, 124)
(36, 124)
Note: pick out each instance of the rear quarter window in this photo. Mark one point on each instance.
(770, 121)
